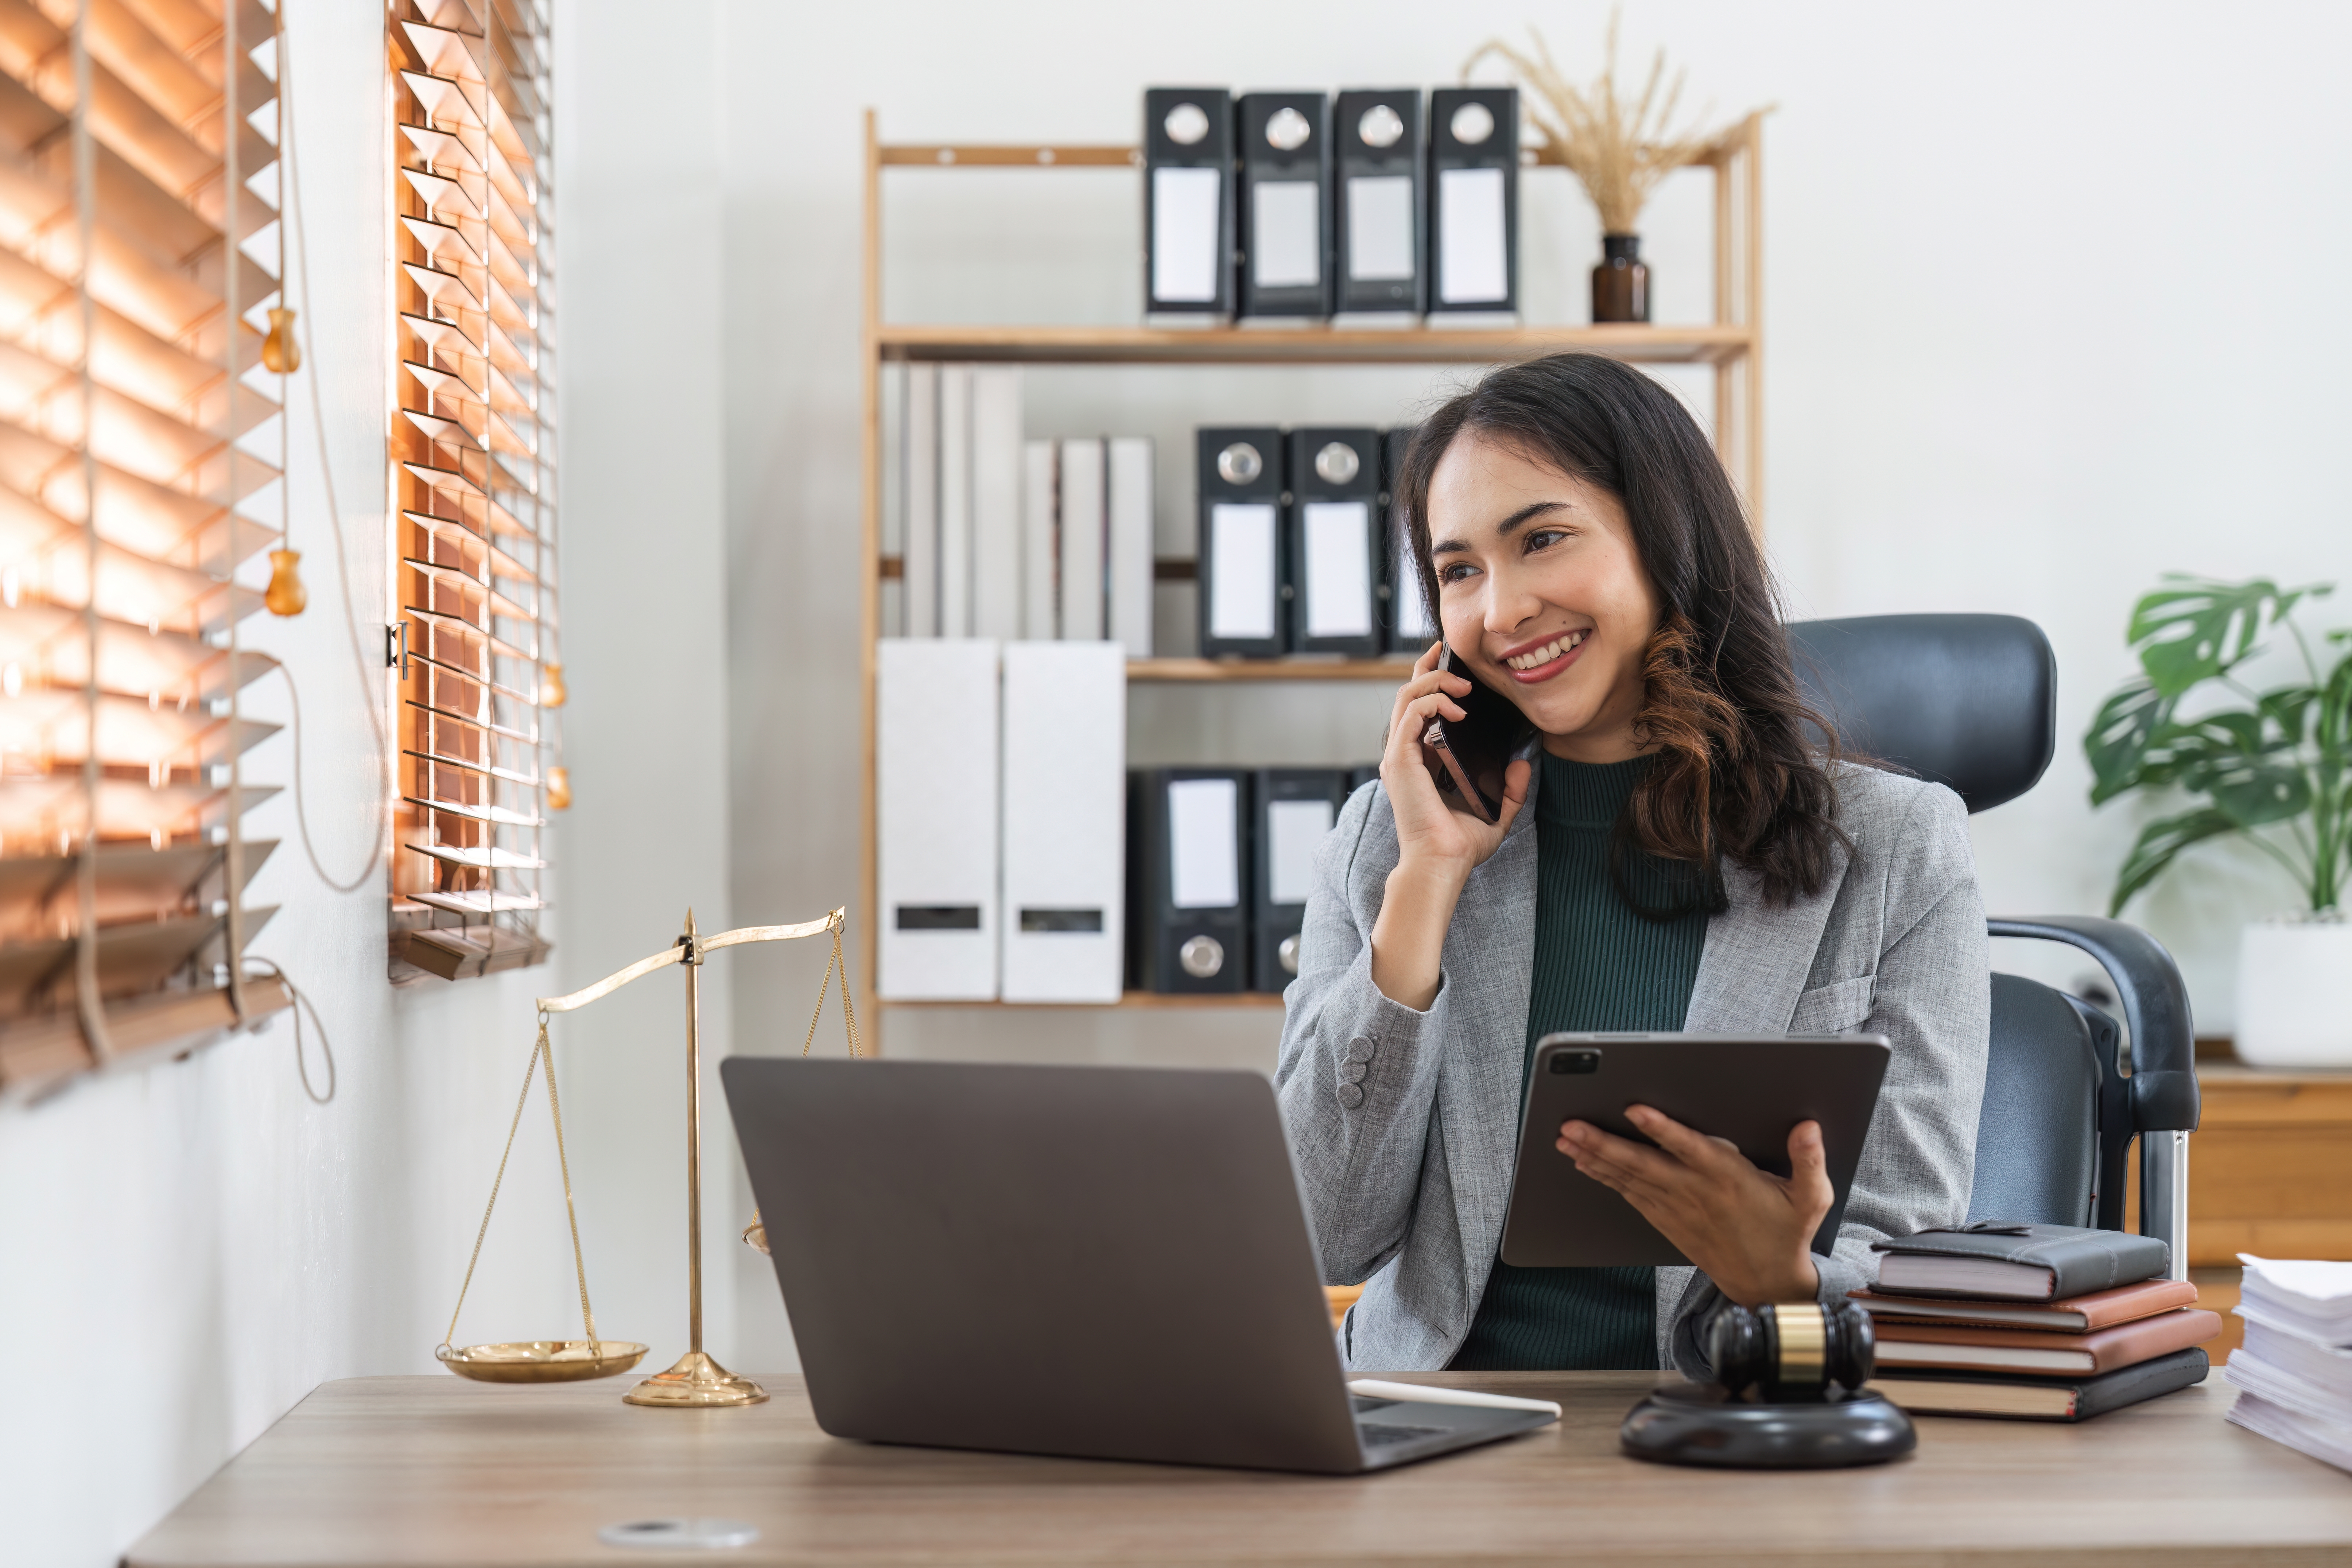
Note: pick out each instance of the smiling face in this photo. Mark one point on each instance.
(1542, 593)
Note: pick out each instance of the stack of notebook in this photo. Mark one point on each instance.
(2039, 1321)
(2294, 1375)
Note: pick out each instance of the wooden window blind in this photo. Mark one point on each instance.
(137, 167)
(473, 467)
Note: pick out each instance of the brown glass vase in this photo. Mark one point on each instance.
(1620, 284)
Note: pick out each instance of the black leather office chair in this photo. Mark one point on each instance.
(1971, 701)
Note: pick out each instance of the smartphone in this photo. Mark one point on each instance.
(1466, 756)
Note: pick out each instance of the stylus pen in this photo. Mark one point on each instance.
(1372, 1388)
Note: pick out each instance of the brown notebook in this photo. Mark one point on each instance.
(2022, 1350)
(2075, 1315)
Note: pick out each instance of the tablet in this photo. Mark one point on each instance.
(1748, 1089)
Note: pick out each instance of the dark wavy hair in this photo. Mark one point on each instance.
(1742, 769)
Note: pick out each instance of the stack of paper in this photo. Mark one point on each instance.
(2294, 1376)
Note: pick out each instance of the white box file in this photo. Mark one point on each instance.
(935, 738)
(1065, 793)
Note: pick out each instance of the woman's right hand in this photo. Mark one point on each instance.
(1433, 838)
(1437, 846)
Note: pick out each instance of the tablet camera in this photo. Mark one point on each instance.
(1575, 1061)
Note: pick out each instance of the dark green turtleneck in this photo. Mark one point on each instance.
(1599, 964)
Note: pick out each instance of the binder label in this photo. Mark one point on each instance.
(939, 916)
(1294, 832)
(1242, 598)
(1184, 235)
(1472, 268)
(1203, 844)
(1286, 234)
(1338, 569)
(1380, 227)
(1066, 921)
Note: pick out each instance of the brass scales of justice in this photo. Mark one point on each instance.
(696, 1382)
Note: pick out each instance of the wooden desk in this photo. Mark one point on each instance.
(397, 1470)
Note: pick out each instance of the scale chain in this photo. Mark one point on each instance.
(540, 1049)
(579, 1259)
(848, 1010)
(849, 1026)
(448, 1340)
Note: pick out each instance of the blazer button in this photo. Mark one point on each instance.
(1353, 1072)
(1351, 1095)
(1360, 1049)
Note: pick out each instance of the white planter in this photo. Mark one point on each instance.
(2295, 992)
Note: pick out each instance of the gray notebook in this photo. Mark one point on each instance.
(2018, 1262)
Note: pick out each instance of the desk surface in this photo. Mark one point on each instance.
(390, 1470)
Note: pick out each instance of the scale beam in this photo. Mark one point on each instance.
(678, 951)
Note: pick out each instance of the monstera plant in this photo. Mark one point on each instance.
(2273, 767)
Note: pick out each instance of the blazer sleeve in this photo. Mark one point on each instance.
(1931, 997)
(1357, 1078)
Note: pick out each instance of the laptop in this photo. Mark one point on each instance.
(1108, 1263)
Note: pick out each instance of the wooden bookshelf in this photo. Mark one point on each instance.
(1225, 1001)
(1716, 344)
(1732, 345)
(1392, 670)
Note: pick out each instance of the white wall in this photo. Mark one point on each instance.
(644, 617)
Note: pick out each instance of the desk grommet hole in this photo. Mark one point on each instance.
(681, 1534)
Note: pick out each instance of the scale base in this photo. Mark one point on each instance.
(696, 1382)
(1700, 1423)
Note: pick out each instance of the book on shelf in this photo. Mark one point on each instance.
(1084, 506)
(1128, 536)
(1012, 539)
(997, 461)
(1950, 1392)
(918, 562)
(954, 469)
(1041, 544)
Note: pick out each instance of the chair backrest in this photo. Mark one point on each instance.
(1971, 701)
(2038, 1135)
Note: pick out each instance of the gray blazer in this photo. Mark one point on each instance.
(1404, 1124)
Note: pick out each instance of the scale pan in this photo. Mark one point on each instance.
(543, 1361)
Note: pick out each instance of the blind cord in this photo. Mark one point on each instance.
(302, 1004)
(303, 813)
(293, 219)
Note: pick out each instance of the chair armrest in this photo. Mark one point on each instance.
(2164, 1097)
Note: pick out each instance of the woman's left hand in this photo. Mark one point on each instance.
(1750, 1232)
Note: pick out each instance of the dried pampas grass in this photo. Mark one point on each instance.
(1619, 149)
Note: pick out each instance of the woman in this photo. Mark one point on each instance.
(1673, 855)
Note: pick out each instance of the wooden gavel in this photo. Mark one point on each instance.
(1792, 1350)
